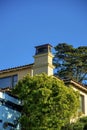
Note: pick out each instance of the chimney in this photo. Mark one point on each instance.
(43, 60)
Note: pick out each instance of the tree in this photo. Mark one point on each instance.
(80, 124)
(47, 103)
(71, 62)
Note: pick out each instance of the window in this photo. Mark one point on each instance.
(15, 79)
(41, 50)
(8, 81)
(82, 105)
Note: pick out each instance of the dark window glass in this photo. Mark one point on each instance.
(81, 109)
(5, 82)
(41, 50)
(14, 80)
(8, 81)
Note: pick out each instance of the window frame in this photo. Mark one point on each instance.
(82, 104)
(11, 80)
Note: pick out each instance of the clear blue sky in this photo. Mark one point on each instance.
(28, 23)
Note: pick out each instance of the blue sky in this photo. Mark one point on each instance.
(28, 23)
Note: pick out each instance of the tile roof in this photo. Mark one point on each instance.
(77, 84)
(16, 68)
(43, 45)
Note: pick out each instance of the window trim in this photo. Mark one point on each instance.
(11, 80)
(82, 103)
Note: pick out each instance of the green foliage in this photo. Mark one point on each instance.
(71, 62)
(80, 124)
(83, 120)
(47, 103)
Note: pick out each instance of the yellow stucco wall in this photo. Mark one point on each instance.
(43, 63)
(21, 73)
(85, 98)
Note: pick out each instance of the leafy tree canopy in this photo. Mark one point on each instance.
(80, 124)
(47, 103)
(71, 62)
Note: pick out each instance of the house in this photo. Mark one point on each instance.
(83, 95)
(10, 106)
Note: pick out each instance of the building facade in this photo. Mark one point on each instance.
(10, 106)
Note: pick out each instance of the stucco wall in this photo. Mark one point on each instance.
(21, 73)
(43, 63)
(85, 99)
